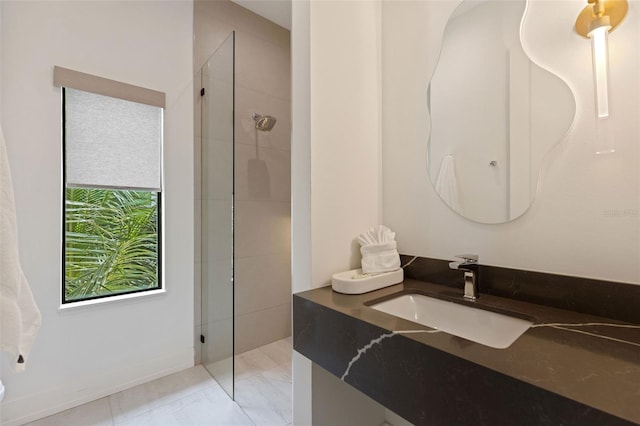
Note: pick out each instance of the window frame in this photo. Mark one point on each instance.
(64, 78)
(159, 253)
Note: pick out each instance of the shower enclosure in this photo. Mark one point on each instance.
(217, 220)
(243, 235)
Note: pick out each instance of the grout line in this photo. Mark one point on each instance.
(113, 420)
(252, 145)
(153, 402)
(279, 305)
(259, 372)
(245, 413)
(270, 254)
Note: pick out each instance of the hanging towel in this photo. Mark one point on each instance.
(19, 315)
(447, 184)
(379, 250)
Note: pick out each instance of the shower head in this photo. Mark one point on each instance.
(264, 123)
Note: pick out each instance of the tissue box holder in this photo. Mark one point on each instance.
(343, 282)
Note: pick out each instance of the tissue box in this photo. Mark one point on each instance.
(354, 282)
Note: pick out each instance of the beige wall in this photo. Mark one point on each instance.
(262, 218)
(85, 353)
(585, 218)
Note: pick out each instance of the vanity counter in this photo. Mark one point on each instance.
(568, 368)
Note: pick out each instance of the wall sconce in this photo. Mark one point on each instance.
(596, 21)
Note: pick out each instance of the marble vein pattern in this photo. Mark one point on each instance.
(192, 398)
(560, 326)
(565, 327)
(363, 350)
(549, 376)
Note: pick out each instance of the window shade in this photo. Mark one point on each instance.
(112, 142)
(64, 77)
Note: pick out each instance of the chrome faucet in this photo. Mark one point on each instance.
(469, 265)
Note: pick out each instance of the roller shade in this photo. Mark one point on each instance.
(111, 142)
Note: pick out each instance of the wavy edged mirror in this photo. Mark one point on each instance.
(495, 114)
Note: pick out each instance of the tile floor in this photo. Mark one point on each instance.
(192, 397)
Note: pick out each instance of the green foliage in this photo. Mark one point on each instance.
(111, 242)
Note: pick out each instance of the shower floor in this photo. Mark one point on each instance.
(192, 397)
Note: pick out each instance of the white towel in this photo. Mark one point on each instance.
(19, 315)
(379, 250)
(447, 184)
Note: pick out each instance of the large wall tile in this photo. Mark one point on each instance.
(197, 294)
(197, 218)
(218, 338)
(217, 290)
(207, 40)
(262, 282)
(262, 327)
(262, 173)
(262, 227)
(249, 101)
(217, 173)
(214, 20)
(216, 230)
(263, 65)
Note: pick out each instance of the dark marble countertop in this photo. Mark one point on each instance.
(592, 360)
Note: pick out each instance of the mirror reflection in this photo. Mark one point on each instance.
(494, 113)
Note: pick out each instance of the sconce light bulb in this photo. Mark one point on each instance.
(600, 57)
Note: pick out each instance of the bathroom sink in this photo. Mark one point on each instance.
(485, 327)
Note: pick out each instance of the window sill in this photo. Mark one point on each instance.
(110, 299)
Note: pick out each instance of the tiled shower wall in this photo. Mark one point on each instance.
(262, 169)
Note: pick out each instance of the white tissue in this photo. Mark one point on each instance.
(377, 235)
(379, 250)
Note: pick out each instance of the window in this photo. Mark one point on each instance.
(112, 187)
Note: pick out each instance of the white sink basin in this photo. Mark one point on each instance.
(485, 327)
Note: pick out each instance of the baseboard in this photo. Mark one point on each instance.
(77, 392)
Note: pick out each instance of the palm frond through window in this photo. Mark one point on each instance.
(111, 242)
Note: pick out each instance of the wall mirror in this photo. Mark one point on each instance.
(494, 113)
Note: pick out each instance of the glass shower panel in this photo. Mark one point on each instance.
(217, 213)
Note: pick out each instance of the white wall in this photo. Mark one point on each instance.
(1, 354)
(85, 353)
(335, 148)
(345, 132)
(585, 218)
(301, 260)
